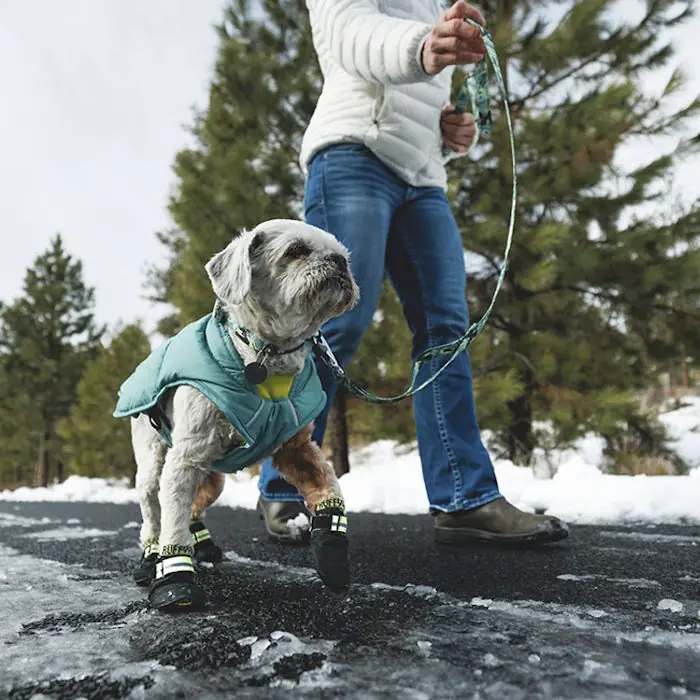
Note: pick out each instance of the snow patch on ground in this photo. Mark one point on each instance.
(388, 479)
(62, 534)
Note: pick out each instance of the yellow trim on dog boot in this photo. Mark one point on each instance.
(205, 549)
(331, 504)
(176, 550)
(201, 536)
(150, 548)
(174, 565)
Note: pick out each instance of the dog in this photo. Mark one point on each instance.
(234, 387)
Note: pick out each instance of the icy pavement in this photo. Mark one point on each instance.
(613, 614)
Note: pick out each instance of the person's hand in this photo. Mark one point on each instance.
(452, 41)
(458, 130)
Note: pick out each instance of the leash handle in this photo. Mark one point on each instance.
(474, 91)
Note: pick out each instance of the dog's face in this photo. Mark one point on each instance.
(284, 279)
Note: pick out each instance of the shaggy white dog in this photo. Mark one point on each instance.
(276, 286)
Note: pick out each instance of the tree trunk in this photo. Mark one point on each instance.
(521, 440)
(684, 367)
(43, 463)
(339, 433)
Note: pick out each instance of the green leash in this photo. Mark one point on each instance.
(474, 91)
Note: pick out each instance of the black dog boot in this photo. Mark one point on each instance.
(329, 543)
(205, 549)
(174, 588)
(145, 572)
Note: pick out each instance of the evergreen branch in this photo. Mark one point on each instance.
(571, 72)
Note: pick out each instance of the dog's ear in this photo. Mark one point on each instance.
(230, 270)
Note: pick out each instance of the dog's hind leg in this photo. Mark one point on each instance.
(149, 453)
(301, 462)
(205, 549)
(209, 490)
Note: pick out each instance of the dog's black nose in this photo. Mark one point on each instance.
(339, 261)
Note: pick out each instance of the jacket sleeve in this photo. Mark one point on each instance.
(368, 43)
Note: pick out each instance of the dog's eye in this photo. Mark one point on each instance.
(298, 250)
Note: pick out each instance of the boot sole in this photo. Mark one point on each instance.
(177, 597)
(451, 535)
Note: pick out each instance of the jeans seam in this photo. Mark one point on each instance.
(468, 504)
(323, 194)
(437, 399)
(444, 438)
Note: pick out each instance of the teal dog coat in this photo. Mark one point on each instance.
(202, 355)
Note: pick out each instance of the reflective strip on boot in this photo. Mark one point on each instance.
(174, 565)
(201, 536)
(334, 523)
(149, 548)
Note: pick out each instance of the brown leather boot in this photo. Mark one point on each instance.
(498, 521)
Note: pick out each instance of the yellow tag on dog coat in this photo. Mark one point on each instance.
(276, 386)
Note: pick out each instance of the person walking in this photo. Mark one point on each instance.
(376, 179)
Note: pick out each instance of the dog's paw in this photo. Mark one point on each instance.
(145, 570)
(205, 549)
(329, 544)
(208, 552)
(174, 589)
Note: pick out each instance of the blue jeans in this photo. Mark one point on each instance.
(409, 233)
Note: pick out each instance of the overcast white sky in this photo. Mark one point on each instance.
(94, 95)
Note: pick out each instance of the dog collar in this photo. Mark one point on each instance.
(255, 372)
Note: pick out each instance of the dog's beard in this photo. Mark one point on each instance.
(323, 289)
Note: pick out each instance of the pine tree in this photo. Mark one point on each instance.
(46, 338)
(595, 302)
(594, 297)
(94, 443)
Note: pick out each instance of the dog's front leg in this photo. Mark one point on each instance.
(301, 462)
(179, 482)
(174, 585)
(196, 445)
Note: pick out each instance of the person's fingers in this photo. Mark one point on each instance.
(461, 119)
(463, 138)
(468, 37)
(437, 62)
(462, 9)
(458, 148)
(454, 47)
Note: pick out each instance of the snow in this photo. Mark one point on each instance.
(674, 606)
(386, 478)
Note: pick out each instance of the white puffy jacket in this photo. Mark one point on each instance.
(375, 90)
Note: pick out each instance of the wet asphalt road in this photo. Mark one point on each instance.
(611, 613)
